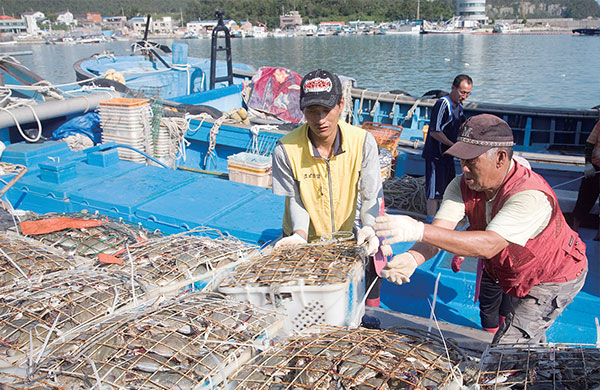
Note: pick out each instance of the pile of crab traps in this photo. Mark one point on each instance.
(83, 234)
(197, 259)
(23, 258)
(313, 284)
(34, 312)
(194, 342)
(540, 367)
(328, 357)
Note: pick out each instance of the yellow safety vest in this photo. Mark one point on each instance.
(328, 189)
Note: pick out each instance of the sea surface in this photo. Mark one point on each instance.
(534, 70)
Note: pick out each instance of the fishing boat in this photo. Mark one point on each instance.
(156, 69)
(197, 192)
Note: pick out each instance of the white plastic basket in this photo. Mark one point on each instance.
(250, 168)
(306, 305)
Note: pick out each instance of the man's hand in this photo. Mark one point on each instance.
(398, 228)
(589, 170)
(400, 268)
(367, 234)
(294, 239)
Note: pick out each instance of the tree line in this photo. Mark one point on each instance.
(268, 11)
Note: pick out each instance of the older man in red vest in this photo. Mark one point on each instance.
(515, 225)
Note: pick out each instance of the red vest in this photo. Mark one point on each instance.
(556, 255)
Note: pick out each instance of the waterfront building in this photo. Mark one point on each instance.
(194, 28)
(114, 22)
(138, 24)
(93, 17)
(471, 12)
(163, 25)
(31, 19)
(290, 19)
(65, 18)
(361, 25)
(331, 26)
(10, 25)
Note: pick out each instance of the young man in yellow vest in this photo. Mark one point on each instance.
(322, 166)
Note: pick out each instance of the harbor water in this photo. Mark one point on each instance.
(534, 70)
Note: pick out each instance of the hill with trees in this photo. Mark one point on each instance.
(315, 11)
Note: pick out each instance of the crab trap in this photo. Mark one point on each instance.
(540, 367)
(10, 381)
(172, 263)
(194, 342)
(35, 312)
(328, 357)
(83, 234)
(23, 258)
(312, 284)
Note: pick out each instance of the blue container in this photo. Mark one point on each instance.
(103, 158)
(180, 53)
(58, 172)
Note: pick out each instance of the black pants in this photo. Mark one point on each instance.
(370, 276)
(588, 193)
(493, 302)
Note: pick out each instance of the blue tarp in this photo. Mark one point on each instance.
(87, 124)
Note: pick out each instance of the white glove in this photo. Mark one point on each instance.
(294, 239)
(400, 268)
(399, 228)
(589, 170)
(367, 234)
(386, 250)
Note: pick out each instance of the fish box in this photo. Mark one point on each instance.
(250, 168)
(307, 290)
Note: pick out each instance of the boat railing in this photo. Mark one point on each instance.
(538, 129)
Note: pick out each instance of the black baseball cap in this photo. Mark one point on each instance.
(479, 134)
(320, 87)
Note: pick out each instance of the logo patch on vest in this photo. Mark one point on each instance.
(312, 175)
(317, 85)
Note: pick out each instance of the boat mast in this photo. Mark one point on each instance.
(418, 8)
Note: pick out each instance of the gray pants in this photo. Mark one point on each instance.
(534, 313)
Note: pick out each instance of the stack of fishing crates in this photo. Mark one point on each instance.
(127, 121)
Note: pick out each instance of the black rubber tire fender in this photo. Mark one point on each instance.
(106, 83)
(435, 93)
(197, 109)
(400, 92)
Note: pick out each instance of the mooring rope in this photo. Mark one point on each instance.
(406, 193)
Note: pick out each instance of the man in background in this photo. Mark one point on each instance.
(446, 117)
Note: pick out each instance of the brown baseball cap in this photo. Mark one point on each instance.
(479, 134)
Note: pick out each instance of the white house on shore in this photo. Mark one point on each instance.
(138, 24)
(66, 18)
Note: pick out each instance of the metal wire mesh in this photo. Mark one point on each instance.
(386, 135)
(177, 260)
(23, 258)
(33, 313)
(524, 366)
(341, 358)
(314, 264)
(18, 382)
(109, 237)
(194, 342)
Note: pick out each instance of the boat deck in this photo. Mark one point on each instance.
(174, 201)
